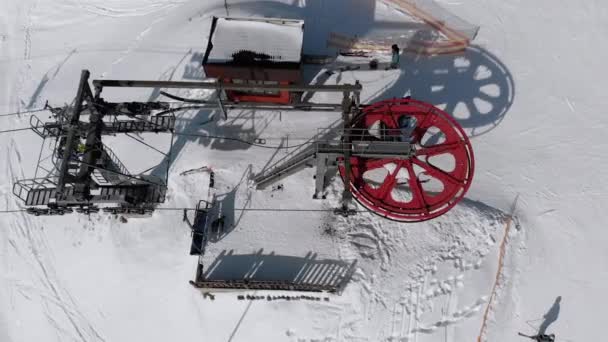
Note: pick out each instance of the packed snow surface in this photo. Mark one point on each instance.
(529, 94)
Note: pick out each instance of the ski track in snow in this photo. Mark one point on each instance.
(127, 10)
(29, 243)
(135, 43)
(414, 312)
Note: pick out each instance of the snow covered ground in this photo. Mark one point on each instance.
(529, 95)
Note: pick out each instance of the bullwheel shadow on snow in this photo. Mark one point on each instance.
(299, 272)
(474, 87)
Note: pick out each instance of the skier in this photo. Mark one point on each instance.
(541, 337)
(395, 56)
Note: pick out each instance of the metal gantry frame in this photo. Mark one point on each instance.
(81, 171)
(85, 173)
(349, 106)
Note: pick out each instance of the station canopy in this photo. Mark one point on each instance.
(235, 40)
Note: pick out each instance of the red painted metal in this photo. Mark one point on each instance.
(402, 193)
(281, 97)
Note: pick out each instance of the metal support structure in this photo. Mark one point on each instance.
(348, 106)
(98, 168)
(215, 84)
(402, 151)
(83, 172)
(73, 127)
(386, 162)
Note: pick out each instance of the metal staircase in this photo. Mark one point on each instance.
(297, 160)
(279, 171)
(144, 192)
(112, 171)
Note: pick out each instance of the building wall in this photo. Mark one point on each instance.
(236, 74)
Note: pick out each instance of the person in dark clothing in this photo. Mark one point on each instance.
(545, 338)
(395, 56)
(541, 337)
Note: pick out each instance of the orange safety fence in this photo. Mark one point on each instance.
(457, 34)
(501, 263)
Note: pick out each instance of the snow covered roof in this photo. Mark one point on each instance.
(257, 39)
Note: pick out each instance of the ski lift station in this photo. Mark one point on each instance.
(384, 151)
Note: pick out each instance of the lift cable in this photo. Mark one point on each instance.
(287, 210)
(27, 112)
(251, 143)
(265, 210)
(16, 130)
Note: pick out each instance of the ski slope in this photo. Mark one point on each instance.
(529, 94)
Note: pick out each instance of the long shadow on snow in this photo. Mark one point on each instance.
(307, 270)
(238, 133)
(475, 86)
(551, 315)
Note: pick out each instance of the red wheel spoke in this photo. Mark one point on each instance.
(434, 150)
(393, 120)
(437, 173)
(417, 192)
(389, 183)
(428, 121)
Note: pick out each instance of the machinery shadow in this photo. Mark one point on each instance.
(167, 75)
(356, 18)
(238, 132)
(307, 270)
(193, 70)
(474, 87)
(180, 141)
(225, 208)
(204, 128)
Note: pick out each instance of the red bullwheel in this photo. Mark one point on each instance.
(419, 187)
